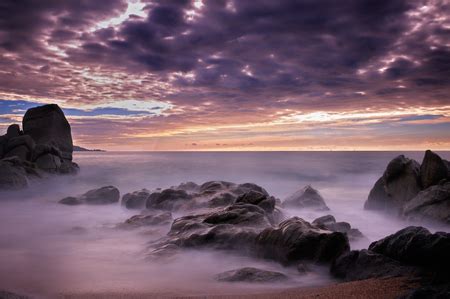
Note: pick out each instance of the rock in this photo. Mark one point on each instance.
(308, 197)
(70, 201)
(239, 213)
(9, 295)
(416, 246)
(223, 199)
(13, 131)
(146, 220)
(49, 162)
(43, 149)
(249, 274)
(365, 264)
(329, 222)
(214, 187)
(12, 177)
(432, 203)
(295, 240)
(168, 199)
(21, 152)
(378, 198)
(103, 195)
(136, 200)
(399, 184)
(47, 125)
(257, 198)
(432, 170)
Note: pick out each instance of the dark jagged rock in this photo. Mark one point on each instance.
(249, 274)
(432, 203)
(329, 222)
(296, 239)
(416, 246)
(148, 220)
(103, 195)
(136, 200)
(47, 125)
(307, 197)
(432, 170)
(398, 185)
(13, 131)
(365, 264)
(16, 173)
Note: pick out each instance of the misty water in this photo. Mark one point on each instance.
(48, 249)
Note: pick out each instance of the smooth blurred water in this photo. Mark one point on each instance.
(42, 253)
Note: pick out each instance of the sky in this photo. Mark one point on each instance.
(232, 74)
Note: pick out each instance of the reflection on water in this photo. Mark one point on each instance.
(47, 248)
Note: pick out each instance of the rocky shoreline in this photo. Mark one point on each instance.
(246, 220)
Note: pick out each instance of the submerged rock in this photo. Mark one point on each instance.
(103, 195)
(296, 239)
(249, 274)
(307, 197)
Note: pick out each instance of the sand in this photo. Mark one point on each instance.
(371, 288)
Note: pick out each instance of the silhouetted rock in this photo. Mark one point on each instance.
(13, 131)
(365, 264)
(249, 274)
(47, 125)
(329, 222)
(296, 239)
(432, 203)
(307, 197)
(103, 195)
(16, 173)
(432, 170)
(136, 199)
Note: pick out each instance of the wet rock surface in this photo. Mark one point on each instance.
(329, 222)
(45, 144)
(249, 274)
(413, 190)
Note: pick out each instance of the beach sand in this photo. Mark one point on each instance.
(371, 288)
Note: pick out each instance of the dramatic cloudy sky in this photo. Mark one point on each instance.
(232, 74)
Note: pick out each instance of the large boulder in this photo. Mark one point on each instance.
(257, 198)
(432, 203)
(295, 240)
(416, 246)
(307, 197)
(103, 195)
(47, 125)
(169, 200)
(12, 177)
(250, 274)
(398, 185)
(432, 170)
(13, 131)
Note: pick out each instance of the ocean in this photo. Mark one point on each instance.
(47, 248)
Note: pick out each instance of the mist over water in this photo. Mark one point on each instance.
(48, 248)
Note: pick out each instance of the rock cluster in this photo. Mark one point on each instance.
(43, 146)
(413, 190)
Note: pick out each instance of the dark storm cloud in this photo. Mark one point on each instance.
(24, 22)
(283, 48)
